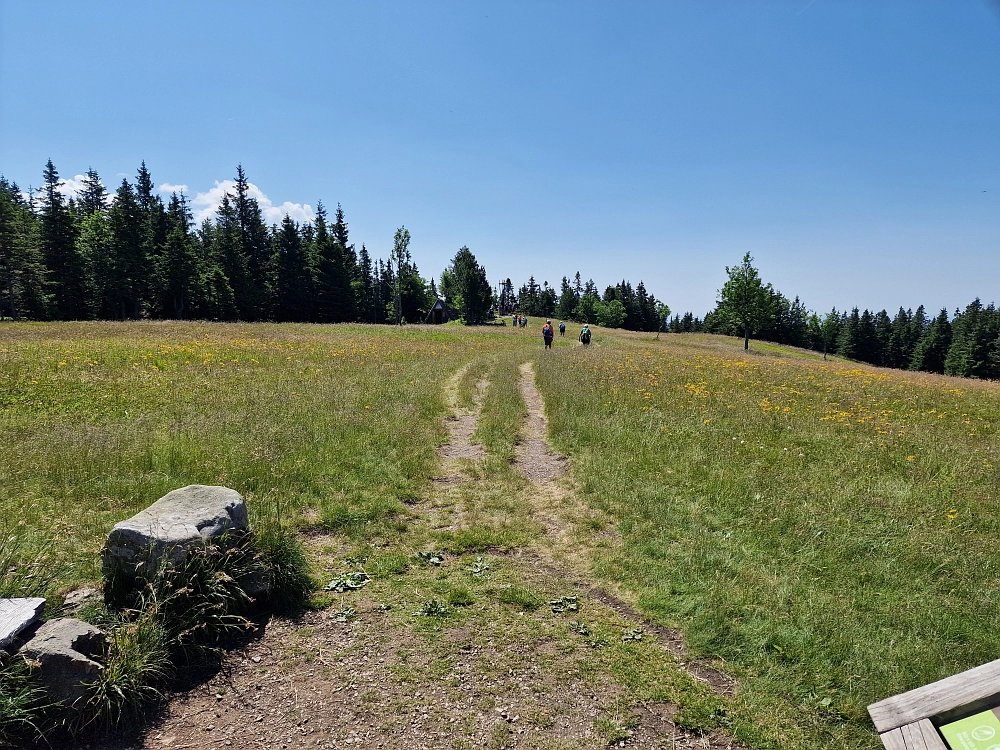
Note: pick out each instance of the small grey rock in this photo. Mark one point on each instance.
(63, 649)
(16, 615)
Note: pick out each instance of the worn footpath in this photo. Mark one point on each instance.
(456, 636)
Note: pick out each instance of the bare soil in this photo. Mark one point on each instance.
(535, 460)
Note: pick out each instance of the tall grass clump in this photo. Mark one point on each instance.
(283, 559)
(136, 667)
(24, 705)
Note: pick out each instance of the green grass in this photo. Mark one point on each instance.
(823, 530)
(331, 425)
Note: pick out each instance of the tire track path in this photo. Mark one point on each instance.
(559, 509)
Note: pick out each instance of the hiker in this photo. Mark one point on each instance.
(547, 334)
(585, 335)
(513, 320)
(562, 328)
(524, 321)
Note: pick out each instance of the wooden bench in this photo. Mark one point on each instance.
(908, 721)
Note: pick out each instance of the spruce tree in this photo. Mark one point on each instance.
(94, 197)
(644, 310)
(973, 333)
(255, 246)
(228, 254)
(897, 348)
(880, 343)
(366, 289)
(918, 326)
(143, 262)
(95, 244)
(294, 299)
(567, 300)
(932, 349)
(179, 267)
(23, 284)
(350, 261)
(57, 233)
(336, 296)
(217, 300)
(797, 333)
(849, 342)
(118, 277)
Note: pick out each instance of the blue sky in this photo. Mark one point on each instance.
(853, 148)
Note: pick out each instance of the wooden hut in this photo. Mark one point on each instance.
(439, 313)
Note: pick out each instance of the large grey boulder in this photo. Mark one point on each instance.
(62, 650)
(16, 615)
(193, 515)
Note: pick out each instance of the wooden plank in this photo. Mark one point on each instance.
(960, 695)
(913, 738)
(932, 738)
(893, 740)
(16, 615)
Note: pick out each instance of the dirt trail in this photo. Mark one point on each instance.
(461, 425)
(444, 508)
(558, 507)
(536, 461)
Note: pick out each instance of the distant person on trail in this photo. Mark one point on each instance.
(513, 320)
(524, 321)
(562, 328)
(547, 334)
(585, 335)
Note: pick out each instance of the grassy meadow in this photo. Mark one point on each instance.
(821, 530)
(325, 425)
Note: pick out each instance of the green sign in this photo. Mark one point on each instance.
(979, 732)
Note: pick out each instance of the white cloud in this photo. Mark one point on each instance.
(71, 188)
(206, 204)
(166, 187)
(74, 187)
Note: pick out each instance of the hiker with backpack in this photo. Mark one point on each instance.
(547, 334)
(585, 335)
(562, 328)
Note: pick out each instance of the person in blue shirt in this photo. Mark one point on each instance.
(547, 334)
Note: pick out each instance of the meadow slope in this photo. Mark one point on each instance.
(820, 531)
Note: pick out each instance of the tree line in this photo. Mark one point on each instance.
(620, 306)
(132, 254)
(965, 344)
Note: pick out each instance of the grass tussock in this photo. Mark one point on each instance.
(25, 708)
(183, 613)
(519, 596)
(137, 665)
